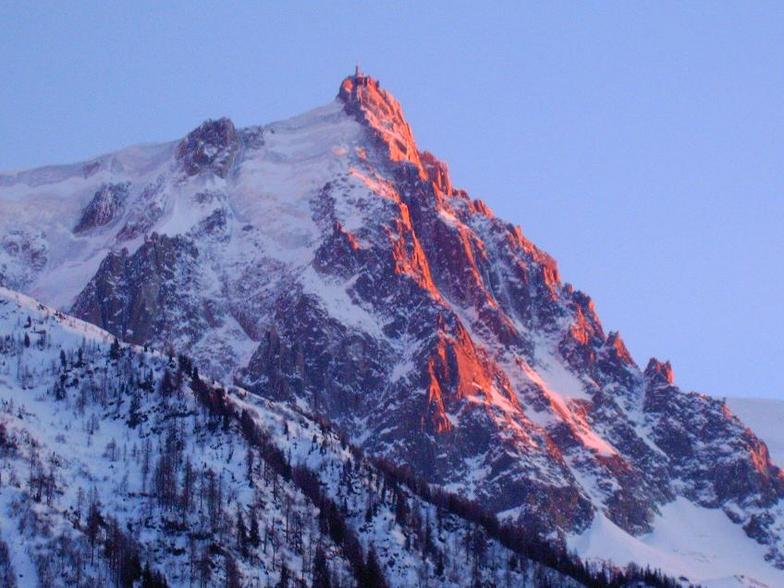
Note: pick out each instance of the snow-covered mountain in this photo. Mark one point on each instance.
(125, 467)
(327, 263)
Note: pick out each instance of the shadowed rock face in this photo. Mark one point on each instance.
(106, 206)
(23, 255)
(141, 295)
(371, 291)
(211, 147)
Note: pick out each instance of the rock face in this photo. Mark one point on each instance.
(106, 206)
(721, 463)
(337, 268)
(210, 148)
(139, 292)
(23, 254)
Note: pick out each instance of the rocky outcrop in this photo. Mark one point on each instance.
(212, 147)
(147, 210)
(106, 206)
(721, 463)
(23, 256)
(659, 373)
(142, 297)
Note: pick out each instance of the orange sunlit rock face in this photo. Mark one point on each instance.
(407, 254)
(352, 241)
(479, 207)
(457, 372)
(581, 329)
(760, 458)
(618, 349)
(365, 99)
(435, 399)
(660, 371)
(437, 172)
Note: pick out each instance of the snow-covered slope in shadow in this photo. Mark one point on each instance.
(689, 541)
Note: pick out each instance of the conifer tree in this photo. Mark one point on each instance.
(242, 535)
(320, 570)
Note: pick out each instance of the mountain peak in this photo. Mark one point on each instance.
(365, 100)
(658, 371)
(377, 109)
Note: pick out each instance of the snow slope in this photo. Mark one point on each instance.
(689, 541)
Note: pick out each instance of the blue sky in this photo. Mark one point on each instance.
(640, 143)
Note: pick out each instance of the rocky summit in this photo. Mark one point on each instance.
(328, 264)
